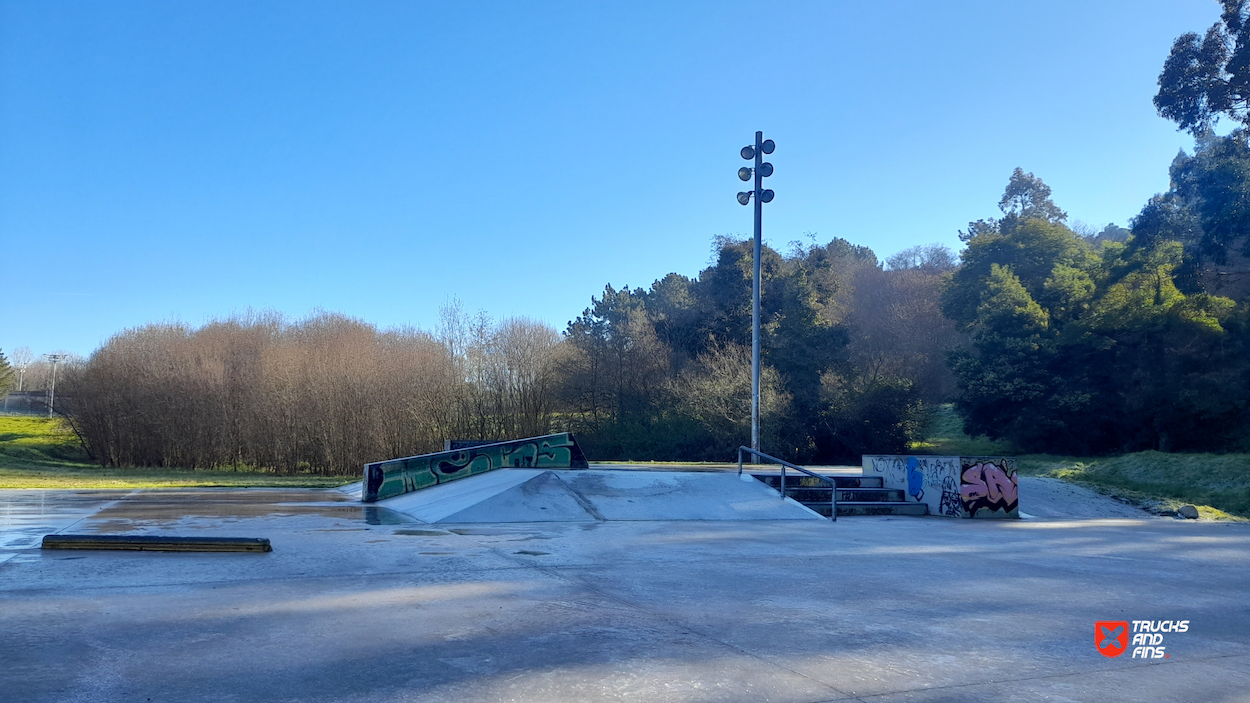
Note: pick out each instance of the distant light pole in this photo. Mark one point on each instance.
(54, 358)
(762, 170)
(21, 378)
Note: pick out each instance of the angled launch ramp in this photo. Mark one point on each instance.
(536, 495)
(547, 479)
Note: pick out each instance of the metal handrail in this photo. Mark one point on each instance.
(833, 499)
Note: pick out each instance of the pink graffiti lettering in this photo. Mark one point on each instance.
(973, 485)
(988, 481)
(1000, 484)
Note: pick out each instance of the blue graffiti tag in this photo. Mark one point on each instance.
(915, 479)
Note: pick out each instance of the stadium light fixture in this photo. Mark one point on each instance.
(762, 170)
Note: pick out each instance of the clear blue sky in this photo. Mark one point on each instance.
(183, 160)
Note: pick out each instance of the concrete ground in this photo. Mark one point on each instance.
(359, 603)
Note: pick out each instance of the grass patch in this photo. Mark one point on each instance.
(947, 438)
(1217, 484)
(38, 452)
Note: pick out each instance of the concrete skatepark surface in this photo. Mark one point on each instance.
(363, 603)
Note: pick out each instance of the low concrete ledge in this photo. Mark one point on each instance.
(157, 543)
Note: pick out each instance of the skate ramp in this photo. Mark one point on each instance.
(386, 479)
(537, 495)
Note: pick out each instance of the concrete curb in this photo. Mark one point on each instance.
(156, 543)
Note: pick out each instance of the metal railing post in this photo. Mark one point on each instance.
(833, 489)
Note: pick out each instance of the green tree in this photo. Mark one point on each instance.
(1175, 364)
(1214, 184)
(1006, 381)
(1207, 209)
(1040, 253)
(1209, 77)
(1025, 198)
(661, 372)
(7, 375)
(1082, 350)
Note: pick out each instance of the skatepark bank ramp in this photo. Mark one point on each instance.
(593, 495)
(386, 479)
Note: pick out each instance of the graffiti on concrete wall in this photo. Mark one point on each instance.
(932, 480)
(954, 486)
(384, 479)
(952, 504)
(988, 487)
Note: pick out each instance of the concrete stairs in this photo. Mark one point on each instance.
(857, 495)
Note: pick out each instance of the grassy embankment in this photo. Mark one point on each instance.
(37, 452)
(1218, 484)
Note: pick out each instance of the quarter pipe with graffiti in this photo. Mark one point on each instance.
(385, 479)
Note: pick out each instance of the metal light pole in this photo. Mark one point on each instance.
(52, 396)
(762, 170)
(21, 378)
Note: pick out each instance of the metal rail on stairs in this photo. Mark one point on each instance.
(833, 485)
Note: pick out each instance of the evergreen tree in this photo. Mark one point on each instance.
(7, 375)
(1080, 350)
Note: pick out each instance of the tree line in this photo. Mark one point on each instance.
(853, 351)
(1054, 339)
(1123, 340)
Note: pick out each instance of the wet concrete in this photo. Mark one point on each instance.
(869, 609)
(26, 515)
(216, 509)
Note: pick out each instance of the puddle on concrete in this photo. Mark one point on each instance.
(490, 530)
(165, 506)
(150, 510)
(111, 526)
(384, 516)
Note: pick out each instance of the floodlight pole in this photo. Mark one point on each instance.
(755, 303)
(21, 378)
(762, 195)
(52, 395)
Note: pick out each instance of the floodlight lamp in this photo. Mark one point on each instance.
(744, 174)
(765, 197)
(768, 146)
(766, 169)
(744, 198)
(748, 153)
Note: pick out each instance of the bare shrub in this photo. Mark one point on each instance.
(325, 394)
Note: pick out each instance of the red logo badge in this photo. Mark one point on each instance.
(1111, 637)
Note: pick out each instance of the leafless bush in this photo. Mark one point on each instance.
(716, 391)
(897, 331)
(325, 394)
